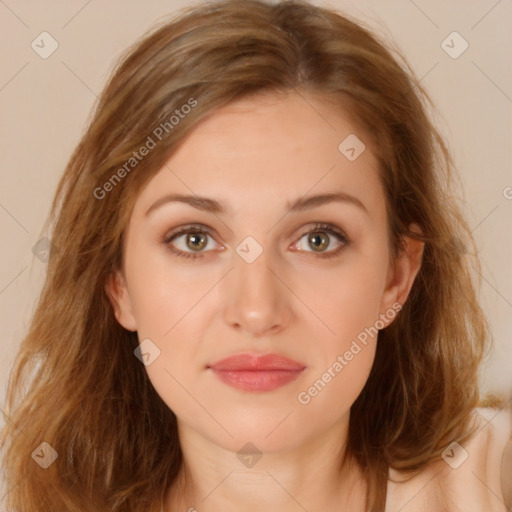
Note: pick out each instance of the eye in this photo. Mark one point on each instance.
(319, 239)
(195, 238)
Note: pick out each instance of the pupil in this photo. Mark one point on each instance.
(314, 238)
(196, 237)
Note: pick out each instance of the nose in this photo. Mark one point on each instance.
(256, 299)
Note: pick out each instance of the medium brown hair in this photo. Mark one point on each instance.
(76, 383)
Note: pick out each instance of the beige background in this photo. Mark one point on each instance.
(45, 102)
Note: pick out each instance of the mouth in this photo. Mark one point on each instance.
(257, 373)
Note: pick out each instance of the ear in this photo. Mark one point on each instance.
(117, 292)
(402, 272)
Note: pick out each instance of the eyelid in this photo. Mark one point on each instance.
(325, 226)
(188, 228)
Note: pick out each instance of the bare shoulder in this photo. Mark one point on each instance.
(506, 473)
(506, 470)
(473, 476)
(496, 448)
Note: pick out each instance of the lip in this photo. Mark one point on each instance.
(257, 372)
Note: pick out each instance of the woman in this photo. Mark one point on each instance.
(258, 294)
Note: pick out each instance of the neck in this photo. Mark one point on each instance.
(313, 476)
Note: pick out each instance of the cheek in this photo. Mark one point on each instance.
(344, 358)
(169, 311)
(346, 297)
(330, 393)
(162, 295)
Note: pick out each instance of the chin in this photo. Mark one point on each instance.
(268, 433)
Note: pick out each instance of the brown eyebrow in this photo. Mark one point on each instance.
(302, 203)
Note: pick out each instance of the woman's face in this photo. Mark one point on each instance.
(263, 279)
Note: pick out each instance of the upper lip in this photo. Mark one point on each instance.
(249, 362)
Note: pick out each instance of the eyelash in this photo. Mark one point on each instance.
(198, 230)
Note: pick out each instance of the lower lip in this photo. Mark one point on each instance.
(257, 380)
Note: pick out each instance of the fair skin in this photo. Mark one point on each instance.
(257, 156)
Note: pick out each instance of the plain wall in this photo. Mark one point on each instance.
(45, 103)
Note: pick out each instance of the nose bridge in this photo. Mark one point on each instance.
(252, 268)
(256, 298)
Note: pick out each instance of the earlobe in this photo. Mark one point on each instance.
(116, 291)
(402, 274)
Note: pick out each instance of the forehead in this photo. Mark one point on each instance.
(274, 126)
(273, 147)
